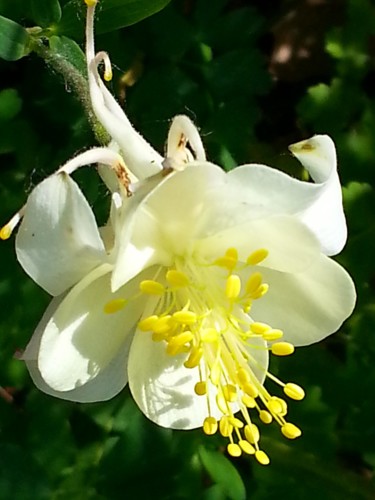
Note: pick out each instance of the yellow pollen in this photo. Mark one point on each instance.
(230, 393)
(251, 390)
(277, 406)
(290, 431)
(200, 388)
(210, 426)
(229, 260)
(265, 416)
(177, 279)
(272, 334)
(262, 457)
(225, 427)
(252, 433)
(246, 447)
(253, 283)
(236, 422)
(114, 306)
(257, 257)
(151, 287)
(234, 450)
(209, 335)
(248, 401)
(282, 349)
(163, 324)
(259, 328)
(260, 292)
(5, 232)
(147, 324)
(233, 287)
(194, 358)
(185, 317)
(294, 391)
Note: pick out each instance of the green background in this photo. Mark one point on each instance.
(255, 76)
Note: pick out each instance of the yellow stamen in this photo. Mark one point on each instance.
(5, 232)
(260, 292)
(277, 406)
(233, 287)
(234, 450)
(262, 457)
(177, 279)
(91, 3)
(229, 260)
(175, 343)
(246, 447)
(252, 433)
(290, 431)
(265, 416)
(148, 324)
(273, 334)
(225, 427)
(115, 305)
(282, 349)
(236, 422)
(248, 401)
(200, 388)
(251, 390)
(230, 393)
(194, 358)
(209, 335)
(259, 328)
(185, 317)
(294, 391)
(151, 287)
(210, 426)
(222, 403)
(253, 283)
(257, 257)
(163, 324)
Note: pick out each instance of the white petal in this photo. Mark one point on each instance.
(58, 241)
(307, 306)
(183, 133)
(291, 246)
(162, 387)
(80, 341)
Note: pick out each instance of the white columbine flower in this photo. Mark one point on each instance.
(197, 277)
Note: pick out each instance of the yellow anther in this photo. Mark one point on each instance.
(108, 75)
(229, 259)
(282, 349)
(148, 324)
(294, 391)
(243, 376)
(222, 403)
(246, 447)
(257, 257)
(215, 373)
(252, 433)
(272, 334)
(225, 427)
(91, 3)
(251, 390)
(233, 287)
(185, 317)
(151, 287)
(265, 416)
(248, 401)
(246, 305)
(277, 406)
(259, 328)
(177, 341)
(210, 426)
(114, 306)
(159, 337)
(291, 431)
(234, 450)
(260, 292)
(200, 388)
(177, 279)
(253, 283)
(194, 358)
(230, 393)
(163, 324)
(5, 232)
(262, 458)
(209, 335)
(236, 422)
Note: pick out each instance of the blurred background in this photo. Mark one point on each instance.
(255, 76)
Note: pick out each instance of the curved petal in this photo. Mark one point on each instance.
(162, 387)
(80, 340)
(58, 241)
(307, 306)
(318, 205)
(291, 246)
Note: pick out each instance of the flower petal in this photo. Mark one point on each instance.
(307, 306)
(291, 246)
(80, 340)
(58, 241)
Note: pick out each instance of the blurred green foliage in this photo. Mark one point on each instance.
(255, 79)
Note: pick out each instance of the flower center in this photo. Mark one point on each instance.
(202, 312)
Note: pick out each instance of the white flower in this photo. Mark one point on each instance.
(208, 273)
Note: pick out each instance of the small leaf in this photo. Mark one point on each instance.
(14, 40)
(45, 12)
(223, 473)
(10, 104)
(111, 15)
(68, 49)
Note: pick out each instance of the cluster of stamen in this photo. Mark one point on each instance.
(204, 317)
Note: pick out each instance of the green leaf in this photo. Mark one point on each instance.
(68, 49)
(223, 473)
(10, 104)
(45, 12)
(14, 40)
(111, 15)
